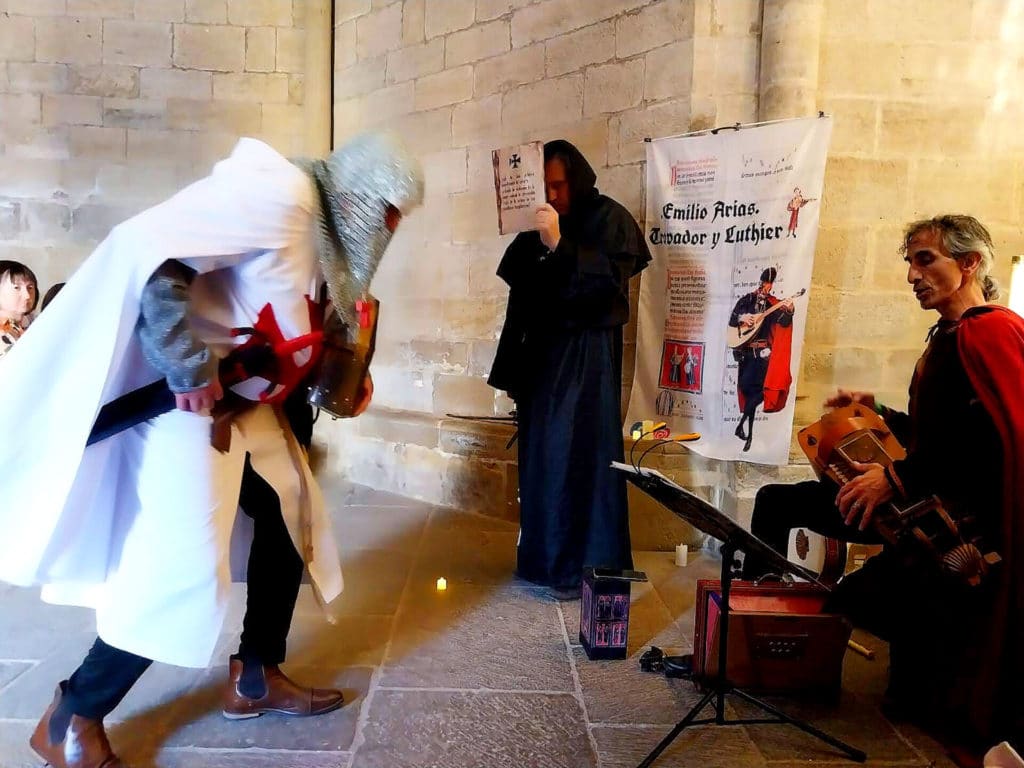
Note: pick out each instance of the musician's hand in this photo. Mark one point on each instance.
(845, 397)
(746, 321)
(788, 305)
(862, 495)
(365, 396)
(546, 222)
(199, 400)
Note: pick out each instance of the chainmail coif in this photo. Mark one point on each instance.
(356, 184)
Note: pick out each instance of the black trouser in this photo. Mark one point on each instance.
(920, 611)
(274, 576)
(778, 509)
(103, 679)
(750, 383)
(750, 380)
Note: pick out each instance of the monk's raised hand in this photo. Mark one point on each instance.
(546, 222)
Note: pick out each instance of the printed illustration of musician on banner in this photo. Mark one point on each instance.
(721, 319)
(796, 202)
(681, 366)
(761, 336)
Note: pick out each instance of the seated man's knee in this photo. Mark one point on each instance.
(768, 524)
(768, 494)
(769, 500)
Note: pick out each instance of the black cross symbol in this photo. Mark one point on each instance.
(514, 161)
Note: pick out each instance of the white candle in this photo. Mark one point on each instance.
(681, 553)
(442, 584)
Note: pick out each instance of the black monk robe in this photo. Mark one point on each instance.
(560, 358)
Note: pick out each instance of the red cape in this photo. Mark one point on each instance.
(779, 377)
(991, 344)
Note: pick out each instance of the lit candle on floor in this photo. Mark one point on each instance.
(681, 553)
(442, 584)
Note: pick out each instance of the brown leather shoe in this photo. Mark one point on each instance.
(83, 745)
(283, 696)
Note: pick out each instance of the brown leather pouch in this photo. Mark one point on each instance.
(227, 409)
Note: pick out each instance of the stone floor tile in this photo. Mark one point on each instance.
(236, 608)
(491, 649)
(619, 692)
(474, 636)
(32, 630)
(201, 724)
(676, 585)
(930, 753)
(462, 546)
(867, 677)
(355, 641)
(374, 580)
(161, 685)
(250, 758)
(9, 670)
(446, 522)
(661, 568)
(854, 721)
(428, 729)
(650, 623)
(488, 560)
(360, 588)
(704, 746)
(341, 493)
(191, 731)
(380, 527)
(14, 749)
(32, 691)
(142, 738)
(570, 610)
(227, 644)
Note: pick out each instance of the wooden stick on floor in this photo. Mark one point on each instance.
(856, 647)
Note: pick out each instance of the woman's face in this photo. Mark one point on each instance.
(17, 296)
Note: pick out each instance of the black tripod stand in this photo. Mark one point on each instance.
(703, 516)
(716, 696)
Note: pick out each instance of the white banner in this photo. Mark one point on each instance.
(732, 219)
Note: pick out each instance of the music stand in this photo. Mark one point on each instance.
(734, 538)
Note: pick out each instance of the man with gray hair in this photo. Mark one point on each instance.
(142, 527)
(955, 650)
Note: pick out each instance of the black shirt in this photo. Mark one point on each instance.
(953, 448)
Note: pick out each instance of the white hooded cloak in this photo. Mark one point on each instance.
(140, 526)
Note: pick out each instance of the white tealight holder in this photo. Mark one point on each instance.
(682, 552)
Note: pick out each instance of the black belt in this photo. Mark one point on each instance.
(753, 348)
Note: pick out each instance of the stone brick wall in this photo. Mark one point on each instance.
(926, 103)
(925, 98)
(458, 78)
(108, 106)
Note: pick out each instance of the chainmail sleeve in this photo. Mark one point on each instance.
(167, 339)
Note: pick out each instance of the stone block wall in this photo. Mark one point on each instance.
(109, 106)
(457, 79)
(925, 100)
